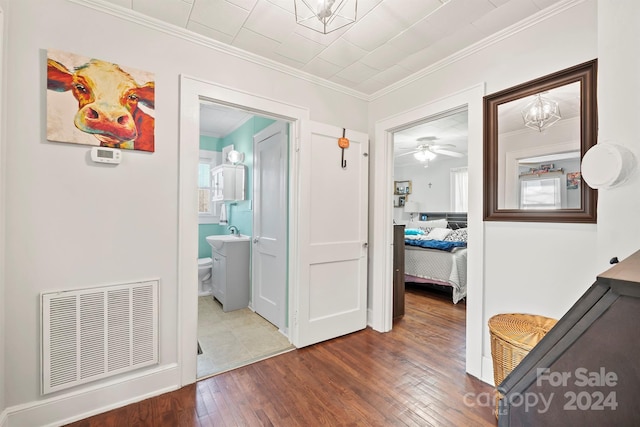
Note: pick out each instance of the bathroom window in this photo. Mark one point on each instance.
(206, 208)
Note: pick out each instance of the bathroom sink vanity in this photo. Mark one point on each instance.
(230, 271)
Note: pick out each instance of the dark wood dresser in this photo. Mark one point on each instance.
(398, 271)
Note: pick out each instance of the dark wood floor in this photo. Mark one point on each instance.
(412, 376)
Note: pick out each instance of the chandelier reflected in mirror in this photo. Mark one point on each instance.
(325, 16)
(541, 113)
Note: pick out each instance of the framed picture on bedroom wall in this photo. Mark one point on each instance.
(573, 180)
(399, 201)
(402, 187)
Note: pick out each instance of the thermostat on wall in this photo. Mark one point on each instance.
(106, 155)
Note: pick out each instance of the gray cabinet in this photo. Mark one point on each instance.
(230, 274)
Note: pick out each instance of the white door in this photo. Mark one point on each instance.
(269, 256)
(332, 290)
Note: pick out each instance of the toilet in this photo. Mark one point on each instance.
(204, 276)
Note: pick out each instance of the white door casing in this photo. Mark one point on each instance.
(192, 91)
(304, 254)
(269, 254)
(382, 206)
(331, 297)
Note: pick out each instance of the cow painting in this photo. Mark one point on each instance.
(90, 101)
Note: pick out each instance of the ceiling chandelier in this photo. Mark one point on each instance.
(541, 113)
(325, 16)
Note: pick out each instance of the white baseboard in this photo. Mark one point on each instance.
(487, 370)
(76, 405)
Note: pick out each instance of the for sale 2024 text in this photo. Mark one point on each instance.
(597, 395)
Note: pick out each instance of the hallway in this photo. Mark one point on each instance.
(413, 375)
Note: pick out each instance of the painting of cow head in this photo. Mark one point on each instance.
(95, 102)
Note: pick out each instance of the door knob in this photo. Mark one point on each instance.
(255, 240)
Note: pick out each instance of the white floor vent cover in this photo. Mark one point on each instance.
(95, 333)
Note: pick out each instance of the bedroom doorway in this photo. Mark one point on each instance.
(430, 173)
(383, 216)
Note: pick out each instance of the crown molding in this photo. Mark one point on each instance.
(176, 31)
(480, 45)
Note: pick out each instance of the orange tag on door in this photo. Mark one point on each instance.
(343, 142)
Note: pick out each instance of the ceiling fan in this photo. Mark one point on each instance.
(427, 149)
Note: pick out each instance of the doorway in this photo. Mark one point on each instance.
(430, 201)
(233, 329)
(316, 180)
(192, 92)
(382, 216)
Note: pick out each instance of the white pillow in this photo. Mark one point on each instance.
(439, 233)
(436, 223)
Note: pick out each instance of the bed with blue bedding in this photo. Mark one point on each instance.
(437, 255)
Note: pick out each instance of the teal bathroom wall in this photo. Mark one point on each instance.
(210, 143)
(239, 213)
(204, 230)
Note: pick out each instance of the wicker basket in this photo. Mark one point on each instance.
(513, 335)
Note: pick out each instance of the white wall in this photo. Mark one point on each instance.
(2, 215)
(528, 267)
(74, 224)
(618, 112)
(435, 197)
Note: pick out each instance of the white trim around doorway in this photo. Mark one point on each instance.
(192, 91)
(381, 215)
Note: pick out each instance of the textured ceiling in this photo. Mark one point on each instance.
(448, 132)
(390, 41)
(219, 121)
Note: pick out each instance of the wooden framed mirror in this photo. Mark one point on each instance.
(535, 135)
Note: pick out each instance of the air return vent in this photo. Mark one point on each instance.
(95, 333)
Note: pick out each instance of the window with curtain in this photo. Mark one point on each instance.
(204, 188)
(542, 193)
(206, 208)
(459, 189)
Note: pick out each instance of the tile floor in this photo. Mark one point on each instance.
(233, 339)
